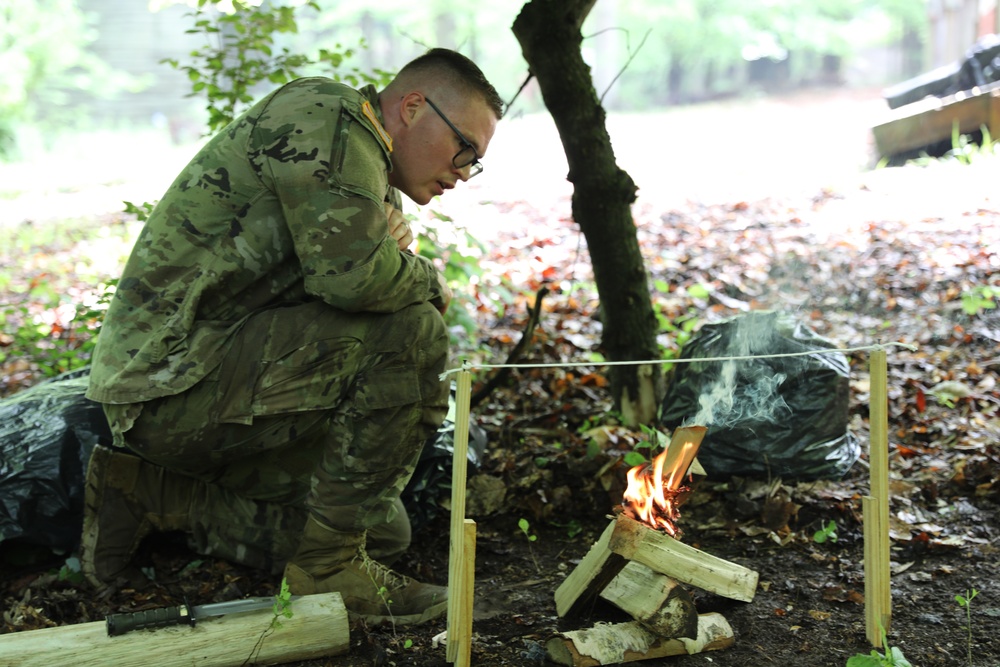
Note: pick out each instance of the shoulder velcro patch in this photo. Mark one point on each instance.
(369, 113)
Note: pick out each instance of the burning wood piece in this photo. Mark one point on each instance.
(638, 566)
(660, 603)
(651, 496)
(638, 542)
(611, 644)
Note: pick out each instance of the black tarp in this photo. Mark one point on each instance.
(779, 416)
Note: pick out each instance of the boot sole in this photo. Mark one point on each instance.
(431, 613)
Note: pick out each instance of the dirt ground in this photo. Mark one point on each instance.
(861, 257)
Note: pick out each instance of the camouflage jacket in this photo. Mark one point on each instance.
(283, 205)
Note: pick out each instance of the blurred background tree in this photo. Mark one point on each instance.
(44, 57)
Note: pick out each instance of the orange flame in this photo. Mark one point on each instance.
(651, 499)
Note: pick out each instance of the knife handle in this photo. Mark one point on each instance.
(119, 624)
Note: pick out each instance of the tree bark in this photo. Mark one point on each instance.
(550, 38)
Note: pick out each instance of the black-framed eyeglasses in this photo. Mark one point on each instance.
(468, 156)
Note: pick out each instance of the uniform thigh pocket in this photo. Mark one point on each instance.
(312, 376)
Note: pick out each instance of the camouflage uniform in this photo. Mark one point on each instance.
(267, 335)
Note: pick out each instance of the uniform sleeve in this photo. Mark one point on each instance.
(329, 172)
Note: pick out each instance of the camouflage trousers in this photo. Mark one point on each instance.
(311, 410)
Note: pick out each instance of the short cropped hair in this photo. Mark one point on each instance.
(458, 71)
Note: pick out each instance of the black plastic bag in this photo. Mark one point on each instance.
(46, 435)
(432, 478)
(778, 416)
(48, 431)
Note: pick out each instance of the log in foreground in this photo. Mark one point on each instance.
(317, 628)
(662, 553)
(660, 603)
(614, 643)
(587, 579)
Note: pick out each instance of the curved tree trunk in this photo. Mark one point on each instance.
(550, 38)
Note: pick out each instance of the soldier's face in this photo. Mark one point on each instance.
(423, 154)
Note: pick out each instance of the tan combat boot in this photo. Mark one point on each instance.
(126, 498)
(331, 561)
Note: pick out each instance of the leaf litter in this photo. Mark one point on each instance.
(860, 265)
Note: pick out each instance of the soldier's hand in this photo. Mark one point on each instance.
(398, 227)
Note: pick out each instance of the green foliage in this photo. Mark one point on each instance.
(242, 49)
(573, 527)
(140, 211)
(38, 329)
(71, 571)
(44, 57)
(893, 657)
(965, 601)
(827, 532)
(283, 602)
(525, 527)
(680, 328)
(980, 298)
(458, 254)
(967, 151)
(655, 440)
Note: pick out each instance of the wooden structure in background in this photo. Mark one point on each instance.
(920, 124)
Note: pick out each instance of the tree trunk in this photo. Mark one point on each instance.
(550, 38)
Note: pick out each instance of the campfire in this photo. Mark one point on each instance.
(639, 566)
(653, 491)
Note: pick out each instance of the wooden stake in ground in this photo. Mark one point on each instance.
(459, 636)
(614, 643)
(878, 595)
(636, 541)
(318, 628)
(467, 602)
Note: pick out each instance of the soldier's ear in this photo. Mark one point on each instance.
(410, 106)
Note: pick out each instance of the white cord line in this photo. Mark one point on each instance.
(466, 366)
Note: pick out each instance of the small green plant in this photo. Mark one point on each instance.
(282, 604)
(655, 440)
(980, 298)
(525, 527)
(826, 532)
(967, 151)
(893, 657)
(282, 608)
(71, 572)
(965, 601)
(573, 528)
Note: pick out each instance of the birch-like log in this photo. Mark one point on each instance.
(614, 643)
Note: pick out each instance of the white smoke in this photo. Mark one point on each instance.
(745, 390)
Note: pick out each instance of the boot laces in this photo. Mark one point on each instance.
(380, 573)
